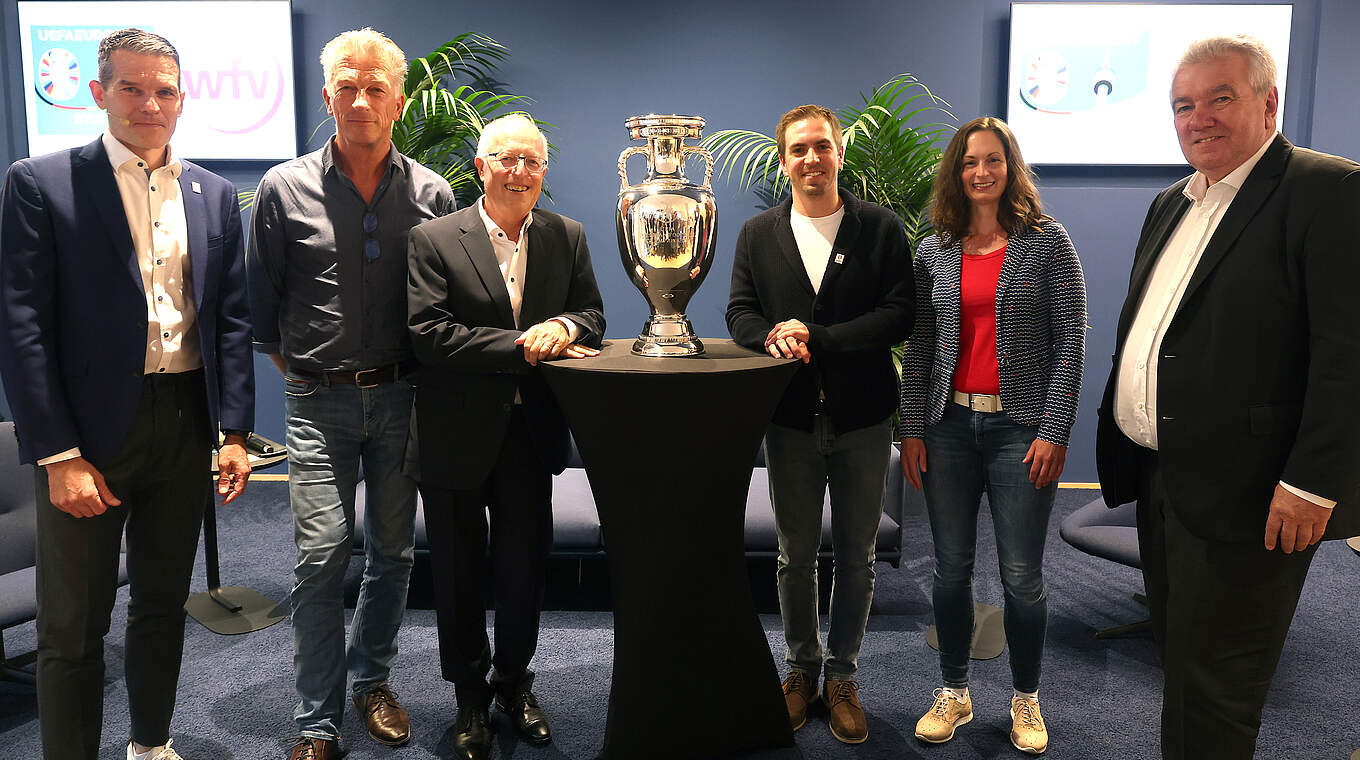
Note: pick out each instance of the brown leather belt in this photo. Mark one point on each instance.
(364, 378)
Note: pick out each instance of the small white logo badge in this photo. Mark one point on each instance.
(840, 258)
(197, 187)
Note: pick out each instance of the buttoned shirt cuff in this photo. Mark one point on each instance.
(1302, 494)
(61, 457)
(573, 329)
(266, 348)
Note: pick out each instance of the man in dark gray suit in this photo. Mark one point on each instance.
(1228, 412)
(494, 289)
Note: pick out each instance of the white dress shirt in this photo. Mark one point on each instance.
(512, 257)
(1135, 407)
(160, 238)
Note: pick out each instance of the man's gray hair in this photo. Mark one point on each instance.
(133, 40)
(508, 123)
(369, 42)
(1260, 63)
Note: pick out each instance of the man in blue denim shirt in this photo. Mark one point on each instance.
(326, 263)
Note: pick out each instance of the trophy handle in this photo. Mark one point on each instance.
(708, 159)
(623, 164)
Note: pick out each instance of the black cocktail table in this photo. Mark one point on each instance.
(668, 445)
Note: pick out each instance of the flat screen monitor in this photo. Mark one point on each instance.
(1090, 83)
(236, 72)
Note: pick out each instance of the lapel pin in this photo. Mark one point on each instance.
(197, 187)
(840, 258)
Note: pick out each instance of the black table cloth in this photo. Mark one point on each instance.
(668, 445)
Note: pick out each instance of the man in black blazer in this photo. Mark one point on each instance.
(1228, 412)
(494, 289)
(826, 278)
(124, 343)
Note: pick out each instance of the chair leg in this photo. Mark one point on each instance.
(1142, 626)
(13, 670)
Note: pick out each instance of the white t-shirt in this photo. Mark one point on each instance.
(815, 236)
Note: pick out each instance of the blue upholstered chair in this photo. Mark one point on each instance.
(1110, 534)
(18, 592)
(576, 523)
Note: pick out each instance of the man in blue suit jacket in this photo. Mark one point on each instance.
(124, 343)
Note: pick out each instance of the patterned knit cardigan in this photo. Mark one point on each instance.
(1040, 333)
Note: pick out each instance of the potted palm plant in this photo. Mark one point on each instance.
(450, 94)
(893, 143)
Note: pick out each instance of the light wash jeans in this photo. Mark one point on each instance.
(333, 430)
(967, 453)
(801, 465)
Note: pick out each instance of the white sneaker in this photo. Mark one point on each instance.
(162, 752)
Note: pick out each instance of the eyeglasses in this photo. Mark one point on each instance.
(372, 250)
(532, 164)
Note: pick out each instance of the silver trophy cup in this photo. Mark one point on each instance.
(666, 230)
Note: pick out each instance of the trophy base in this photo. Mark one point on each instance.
(668, 336)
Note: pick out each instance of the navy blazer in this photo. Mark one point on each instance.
(1040, 333)
(862, 308)
(73, 309)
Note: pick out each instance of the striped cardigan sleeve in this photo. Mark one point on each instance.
(1067, 325)
(919, 357)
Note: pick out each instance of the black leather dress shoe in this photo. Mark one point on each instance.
(529, 719)
(471, 734)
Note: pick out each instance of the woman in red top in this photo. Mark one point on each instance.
(990, 384)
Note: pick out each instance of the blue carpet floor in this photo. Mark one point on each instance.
(1101, 698)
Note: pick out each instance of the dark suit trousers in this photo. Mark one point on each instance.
(517, 495)
(1220, 614)
(160, 474)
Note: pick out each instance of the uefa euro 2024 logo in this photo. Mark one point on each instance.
(58, 76)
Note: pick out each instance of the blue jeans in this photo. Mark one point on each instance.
(801, 466)
(968, 452)
(333, 430)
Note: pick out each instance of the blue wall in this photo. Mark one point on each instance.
(590, 65)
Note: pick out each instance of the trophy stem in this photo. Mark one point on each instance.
(668, 335)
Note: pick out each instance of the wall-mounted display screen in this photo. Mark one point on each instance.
(1090, 83)
(236, 71)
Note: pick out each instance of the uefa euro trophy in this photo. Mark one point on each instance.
(666, 230)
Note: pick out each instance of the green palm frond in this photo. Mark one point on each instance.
(891, 151)
(469, 57)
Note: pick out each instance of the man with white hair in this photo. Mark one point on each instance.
(326, 264)
(1228, 413)
(494, 289)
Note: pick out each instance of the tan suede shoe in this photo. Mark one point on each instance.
(848, 723)
(800, 690)
(948, 713)
(1028, 732)
(386, 721)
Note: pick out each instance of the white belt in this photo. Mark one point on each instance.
(978, 402)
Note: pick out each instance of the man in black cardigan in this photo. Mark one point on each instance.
(826, 278)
